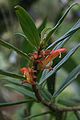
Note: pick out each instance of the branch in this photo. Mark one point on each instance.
(52, 106)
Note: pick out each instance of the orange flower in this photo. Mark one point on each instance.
(34, 56)
(52, 56)
(28, 74)
(41, 54)
(45, 53)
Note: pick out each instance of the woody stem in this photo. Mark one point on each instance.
(52, 106)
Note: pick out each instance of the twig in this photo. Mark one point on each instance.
(52, 106)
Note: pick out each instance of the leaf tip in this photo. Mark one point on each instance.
(16, 7)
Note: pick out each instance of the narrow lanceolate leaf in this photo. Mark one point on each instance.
(69, 102)
(45, 93)
(19, 83)
(22, 90)
(44, 73)
(15, 103)
(37, 115)
(71, 77)
(59, 65)
(9, 74)
(66, 36)
(42, 26)
(9, 46)
(44, 33)
(60, 21)
(28, 26)
(24, 36)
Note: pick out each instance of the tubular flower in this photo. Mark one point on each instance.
(42, 54)
(52, 56)
(28, 74)
(35, 56)
(45, 53)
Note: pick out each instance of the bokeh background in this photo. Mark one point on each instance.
(10, 61)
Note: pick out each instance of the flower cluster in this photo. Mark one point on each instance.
(42, 59)
(29, 75)
(53, 54)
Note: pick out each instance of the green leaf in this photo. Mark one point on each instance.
(26, 47)
(28, 26)
(72, 64)
(71, 77)
(9, 46)
(46, 95)
(24, 36)
(60, 64)
(18, 83)
(66, 36)
(43, 25)
(22, 90)
(60, 21)
(44, 33)
(37, 115)
(51, 83)
(9, 74)
(44, 73)
(68, 102)
(15, 103)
